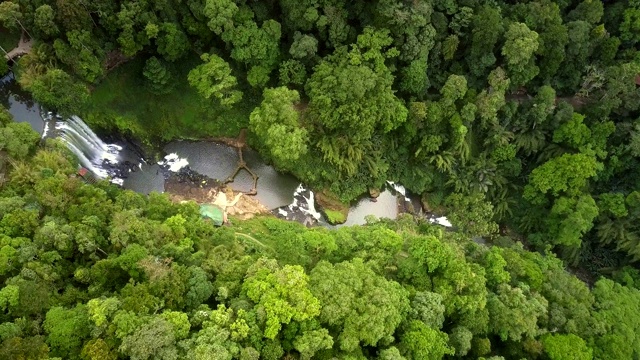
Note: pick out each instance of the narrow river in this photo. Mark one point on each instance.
(281, 192)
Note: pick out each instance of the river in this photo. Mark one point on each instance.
(281, 192)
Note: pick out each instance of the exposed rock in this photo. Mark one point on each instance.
(188, 185)
(425, 203)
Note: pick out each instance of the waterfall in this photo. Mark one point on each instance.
(95, 155)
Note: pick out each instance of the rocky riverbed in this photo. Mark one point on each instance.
(186, 185)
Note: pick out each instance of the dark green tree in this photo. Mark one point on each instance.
(158, 76)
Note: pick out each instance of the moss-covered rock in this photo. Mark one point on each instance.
(331, 207)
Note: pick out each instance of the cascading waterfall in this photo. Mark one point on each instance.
(95, 155)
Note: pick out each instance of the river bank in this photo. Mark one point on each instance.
(126, 161)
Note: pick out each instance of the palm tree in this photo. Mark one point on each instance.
(443, 161)
(502, 204)
(530, 140)
(339, 152)
(463, 148)
(498, 135)
(612, 230)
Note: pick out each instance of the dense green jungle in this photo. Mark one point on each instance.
(519, 120)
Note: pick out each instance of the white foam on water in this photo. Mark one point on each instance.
(174, 162)
(117, 181)
(441, 221)
(400, 189)
(282, 212)
(312, 207)
(46, 129)
(178, 165)
(172, 157)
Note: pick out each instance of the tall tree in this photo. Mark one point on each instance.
(283, 294)
(276, 123)
(362, 306)
(487, 27)
(351, 100)
(213, 80)
(519, 48)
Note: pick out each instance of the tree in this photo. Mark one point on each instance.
(519, 48)
(172, 42)
(81, 53)
(159, 79)
(276, 123)
(630, 26)
(363, 306)
(179, 322)
(303, 46)
(292, 72)
(490, 102)
(454, 89)
(18, 139)
(460, 340)
(472, 214)
(311, 342)
(391, 353)
(200, 288)
(494, 265)
(570, 219)
(220, 14)
(514, 312)
(10, 15)
(58, 90)
(24, 348)
(574, 133)
(617, 309)
(44, 21)
(4, 68)
(422, 342)
(578, 49)
(544, 103)
(98, 350)
(258, 76)
(428, 307)
(66, 330)
(255, 46)
(152, 339)
(300, 15)
(414, 78)
(566, 347)
(281, 293)
(351, 100)
(487, 27)
(213, 79)
(132, 37)
(568, 173)
(460, 284)
(588, 10)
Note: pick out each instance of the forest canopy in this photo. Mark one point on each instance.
(519, 120)
(93, 272)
